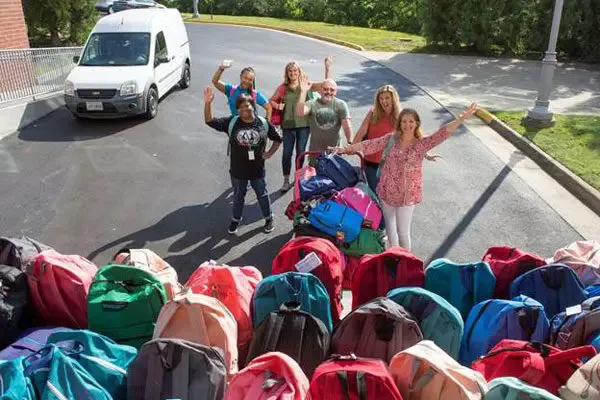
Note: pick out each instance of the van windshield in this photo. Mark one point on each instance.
(116, 49)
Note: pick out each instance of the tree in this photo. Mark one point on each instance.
(48, 17)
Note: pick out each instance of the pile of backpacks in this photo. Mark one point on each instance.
(510, 326)
(333, 201)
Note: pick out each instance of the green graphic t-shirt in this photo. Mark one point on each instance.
(325, 122)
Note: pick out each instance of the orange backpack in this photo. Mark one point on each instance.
(234, 287)
(271, 376)
(200, 319)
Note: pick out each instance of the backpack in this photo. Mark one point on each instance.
(296, 333)
(15, 313)
(346, 377)
(301, 226)
(377, 329)
(534, 363)
(336, 220)
(490, 321)
(232, 286)
(369, 241)
(358, 200)
(124, 303)
(507, 263)
(336, 168)
(105, 360)
(15, 251)
(276, 114)
(29, 342)
(424, 371)
(352, 264)
(300, 175)
(177, 369)
(556, 286)
(272, 376)
(573, 327)
(438, 320)
(463, 285)
(377, 274)
(316, 185)
(321, 258)
(509, 388)
(364, 186)
(59, 285)
(150, 261)
(13, 382)
(200, 319)
(584, 383)
(305, 289)
(583, 257)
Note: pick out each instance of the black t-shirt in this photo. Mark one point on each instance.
(246, 138)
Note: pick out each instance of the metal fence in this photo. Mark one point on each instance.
(29, 73)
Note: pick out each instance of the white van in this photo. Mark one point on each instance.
(130, 60)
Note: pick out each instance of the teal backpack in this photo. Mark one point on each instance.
(463, 285)
(13, 382)
(439, 321)
(509, 388)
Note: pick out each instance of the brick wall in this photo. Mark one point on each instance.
(13, 31)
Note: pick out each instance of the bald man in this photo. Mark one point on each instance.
(326, 115)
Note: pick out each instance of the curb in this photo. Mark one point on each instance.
(297, 32)
(574, 184)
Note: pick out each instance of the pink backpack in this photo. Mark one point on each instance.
(234, 287)
(583, 257)
(359, 201)
(59, 285)
(271, 376)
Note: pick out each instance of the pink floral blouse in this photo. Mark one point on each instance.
(401, 181)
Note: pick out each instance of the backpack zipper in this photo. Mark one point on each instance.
(55, 391)
(481, 311)
(104, 363)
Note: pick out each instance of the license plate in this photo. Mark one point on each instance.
(94, 106)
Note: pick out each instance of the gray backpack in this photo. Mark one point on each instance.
(15, 251)
(177, 369)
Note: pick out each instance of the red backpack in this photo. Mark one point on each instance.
(321, 258)
(535, 363)
(507, 263)
(377, 274)
(59, 285)
(350, 378)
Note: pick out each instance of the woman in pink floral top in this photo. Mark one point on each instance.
(400, 186)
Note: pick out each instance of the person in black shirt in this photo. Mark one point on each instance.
(248, 134)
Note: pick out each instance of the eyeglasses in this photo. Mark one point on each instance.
(328, 90)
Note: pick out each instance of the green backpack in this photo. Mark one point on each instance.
(509, 388)
(369, 241)
(124, 302)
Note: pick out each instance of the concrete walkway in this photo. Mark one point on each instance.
(496, 84)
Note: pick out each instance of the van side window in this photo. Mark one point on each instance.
(161, 46)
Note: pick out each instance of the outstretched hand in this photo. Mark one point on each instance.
(208, 95)
(337, 150)
(468, 112)
(432, 157)
(328, 61)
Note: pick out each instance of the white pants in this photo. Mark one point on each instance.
(397, 225)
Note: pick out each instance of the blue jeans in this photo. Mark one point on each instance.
(299, 136)
(240, 186)
(372, 178)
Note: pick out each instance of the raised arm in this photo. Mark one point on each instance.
(429, 142)
(462, 117)
(365, 147)
(216, 79)
(208, 98)
(301, 108)
(362, 131)
(317, 86)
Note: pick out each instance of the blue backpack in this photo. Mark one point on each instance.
(336, 220)
(104, 359)
(490, 321)
(439, 320)
(463, 285)
(573, 328)
(337, 169)
(509, 388)
(13, 382)
(315, 186)
(303, 288)
(556, 286)
(593, 290)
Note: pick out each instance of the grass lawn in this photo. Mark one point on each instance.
(574, 141)
(370, 39)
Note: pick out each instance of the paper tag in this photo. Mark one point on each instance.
(251, 155)
(573, 310)
(308, 263)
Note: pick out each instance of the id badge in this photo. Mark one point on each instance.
(251, 155)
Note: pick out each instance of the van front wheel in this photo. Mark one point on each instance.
(186, 77)
(151, 103)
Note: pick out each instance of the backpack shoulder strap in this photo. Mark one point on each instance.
(232, 90)
(234, 119)
(388, 147)
(254, 94)
(265, 124)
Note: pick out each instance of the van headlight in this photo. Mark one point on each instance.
(128, 88)
(69, 88)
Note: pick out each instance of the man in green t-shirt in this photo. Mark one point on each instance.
(326, 115)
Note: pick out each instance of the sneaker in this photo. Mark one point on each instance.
(286, 186)
(269, 225)
(233, 227)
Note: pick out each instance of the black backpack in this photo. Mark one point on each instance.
(296, 333)
(15, 251)
(15, 314)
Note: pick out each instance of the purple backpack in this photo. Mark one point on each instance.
(31, 341)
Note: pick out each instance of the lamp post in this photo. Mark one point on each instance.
(195, 3)
(540, 114)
